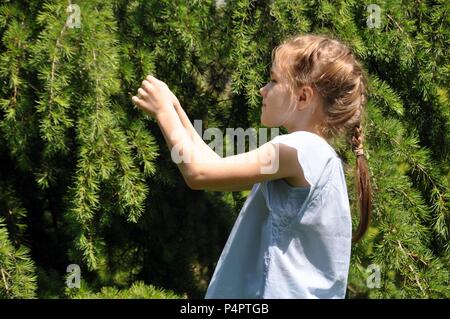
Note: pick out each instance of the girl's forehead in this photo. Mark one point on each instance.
(274, 71)
(278, 68)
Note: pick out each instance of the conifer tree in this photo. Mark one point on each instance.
(17, 276)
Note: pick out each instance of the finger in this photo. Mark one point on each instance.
(145, 81)
(151, 78)
(142, 94)
(147, 86)
(137, 101)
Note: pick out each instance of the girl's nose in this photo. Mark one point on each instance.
(262, 90)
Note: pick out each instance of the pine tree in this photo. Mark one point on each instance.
(86, 178)
(17, 278)
(138, 290)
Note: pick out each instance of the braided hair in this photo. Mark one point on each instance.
(362, 183)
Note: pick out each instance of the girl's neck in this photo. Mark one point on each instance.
(312, 129)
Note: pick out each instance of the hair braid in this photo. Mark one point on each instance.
(363, 187)
(357, 139)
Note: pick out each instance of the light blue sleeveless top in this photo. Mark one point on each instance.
(291, 242)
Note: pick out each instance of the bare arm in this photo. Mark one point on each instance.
(230, 189)
(198, 141)
(268, 162)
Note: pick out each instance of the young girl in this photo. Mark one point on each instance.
(292, 238)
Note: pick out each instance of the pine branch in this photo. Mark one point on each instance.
(4, 281)
(53, 69)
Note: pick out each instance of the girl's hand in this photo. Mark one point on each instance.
(153, 96)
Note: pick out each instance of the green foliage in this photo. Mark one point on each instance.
(138, 290)
(17, 278)
(86, 178)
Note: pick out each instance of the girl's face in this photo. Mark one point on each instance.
(277, 102)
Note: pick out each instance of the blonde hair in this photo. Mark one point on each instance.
(331, 68)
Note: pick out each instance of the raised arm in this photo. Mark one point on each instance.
(207, 171)
(198, 141)
(193, 134)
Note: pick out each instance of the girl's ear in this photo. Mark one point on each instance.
(304, 97)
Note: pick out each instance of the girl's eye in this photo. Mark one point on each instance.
(273, 81)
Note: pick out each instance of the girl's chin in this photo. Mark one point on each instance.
(263, 122)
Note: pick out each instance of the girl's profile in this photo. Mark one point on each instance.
(293, 235)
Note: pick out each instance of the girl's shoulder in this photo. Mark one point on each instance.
(316, 157)
(305, 139)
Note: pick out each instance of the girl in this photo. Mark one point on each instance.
(292, 238)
